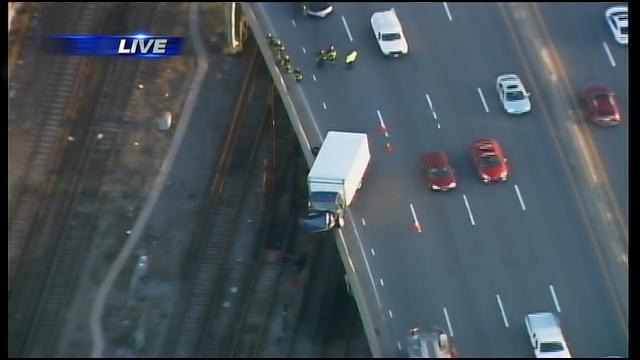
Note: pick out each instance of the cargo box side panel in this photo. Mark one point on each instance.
(359, 165)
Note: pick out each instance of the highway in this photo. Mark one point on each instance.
(486, 254)
(580, 37)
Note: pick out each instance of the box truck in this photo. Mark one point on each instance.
(337, 173)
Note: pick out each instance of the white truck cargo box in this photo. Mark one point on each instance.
(340, 164)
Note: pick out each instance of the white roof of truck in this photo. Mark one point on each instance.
(337, 154)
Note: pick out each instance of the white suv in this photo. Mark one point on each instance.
(618, 20)
(546, 336)
(388, 33)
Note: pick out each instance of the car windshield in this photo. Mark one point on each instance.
(490, 161)
(551, 346)
(515, 95)
(390, 37)
(623, 30)
(439, 172)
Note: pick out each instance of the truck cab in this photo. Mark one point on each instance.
(388, 33)
(328, 201)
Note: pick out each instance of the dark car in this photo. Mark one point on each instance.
(489, 160)
(601, 106)
(318, 221)
(317, 9)
(440, 176)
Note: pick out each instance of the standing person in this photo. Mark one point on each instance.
(351, 59)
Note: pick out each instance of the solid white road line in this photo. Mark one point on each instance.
(435, 116)
(364, 223)
(468, 210)
(429, 101)
(314, 78)
(373, 252)
(390, 314)
(446, 316)
(324, 105)
(484, 103)
(504, 317)
(346, 27)
(555, 299)
(293, 22)
(381, 282)
(446, 8)
(606, 49)
(524, 208)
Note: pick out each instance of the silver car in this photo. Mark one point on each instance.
(513, 95)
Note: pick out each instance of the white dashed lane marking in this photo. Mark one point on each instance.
(504, 317)
(555, 299)
(606, 49)
(446, 316)
(469, 210)
(524, 208)
(484, 103)
(346, 27)
(446, 8)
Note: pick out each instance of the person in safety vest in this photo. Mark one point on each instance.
(351, 58)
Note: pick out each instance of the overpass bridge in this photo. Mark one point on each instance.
(483, 256)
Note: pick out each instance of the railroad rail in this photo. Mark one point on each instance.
(43, 145)
(217, 225)
(71, 210)
(342, 318)
(253, 327)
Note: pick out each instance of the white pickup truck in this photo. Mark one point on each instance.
(388, 33)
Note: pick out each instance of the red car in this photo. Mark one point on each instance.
(601, 106)
(440, 175)
(490, 160)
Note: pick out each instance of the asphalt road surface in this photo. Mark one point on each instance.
(487, 254)
(580, 34)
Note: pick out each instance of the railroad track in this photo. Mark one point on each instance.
(40, 154)
(217, 226)
(343, 315)
(69, 220)
(258, 320)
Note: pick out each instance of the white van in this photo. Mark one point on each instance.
(388, 32)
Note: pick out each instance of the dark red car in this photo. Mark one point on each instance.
(601, 106)
(440, 175)
(490, 160)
